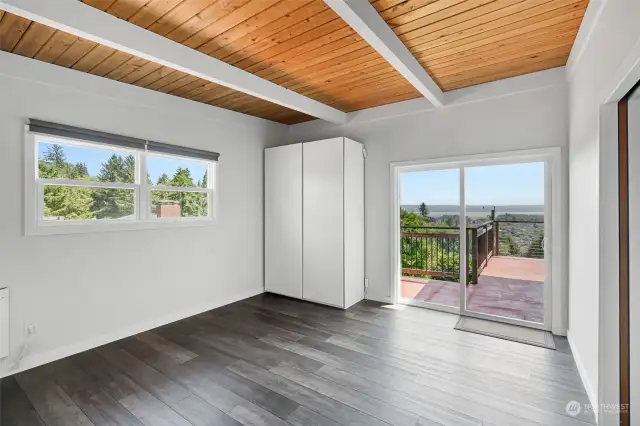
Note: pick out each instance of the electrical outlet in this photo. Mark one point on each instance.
(29, 329)
(366, 283)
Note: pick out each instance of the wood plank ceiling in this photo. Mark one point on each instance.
(304, 46)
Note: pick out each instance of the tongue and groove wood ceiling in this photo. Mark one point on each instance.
(305, 46)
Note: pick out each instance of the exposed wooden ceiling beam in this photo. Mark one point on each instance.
(77, 18)
(366, 21)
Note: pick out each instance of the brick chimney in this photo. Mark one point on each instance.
(168, 209)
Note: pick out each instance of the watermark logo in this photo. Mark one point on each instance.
(573, 408)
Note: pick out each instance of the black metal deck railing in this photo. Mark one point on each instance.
(433, 251)
(430, 251)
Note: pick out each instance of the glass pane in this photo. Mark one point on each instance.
(430, 237)
(176, 171)
(172, 204)
(80, 203)
(56, 161)
(505, 215)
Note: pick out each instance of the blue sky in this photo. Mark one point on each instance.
(514, 184)
(94, 158)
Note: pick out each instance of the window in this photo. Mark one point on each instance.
(179, 187)
(76, 185)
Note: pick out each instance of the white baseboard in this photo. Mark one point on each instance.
(37, 359)
(591, 392)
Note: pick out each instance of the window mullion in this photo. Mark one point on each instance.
(178, 188)
(144, 194)
(86, 183)
(211, 206)
(212, 180)
(39, 202)
(210, 175)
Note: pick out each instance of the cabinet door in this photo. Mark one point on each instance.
(353, 222)
(283, 220)
(323, 268)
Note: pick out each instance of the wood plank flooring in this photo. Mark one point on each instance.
(270, 360)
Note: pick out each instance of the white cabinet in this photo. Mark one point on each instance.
(283, 216)
(354, 220)
(318, 189)
(323, 221)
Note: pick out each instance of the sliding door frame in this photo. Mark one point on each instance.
(396, 170)
(548, 260)
(554, 288)
(625, 158)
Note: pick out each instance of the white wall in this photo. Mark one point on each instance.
(83, 290)
(608, 34)
(517, 114)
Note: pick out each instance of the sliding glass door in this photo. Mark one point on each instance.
(505, 209)
(430, 237)
(472, 237)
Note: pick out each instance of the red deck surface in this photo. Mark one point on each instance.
(508, 286)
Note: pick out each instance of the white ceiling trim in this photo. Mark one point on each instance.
(366, 21)
(587, 26)
(77, 18)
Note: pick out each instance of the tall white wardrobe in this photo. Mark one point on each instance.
(314, 221)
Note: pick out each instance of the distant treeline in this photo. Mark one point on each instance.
(443, 208)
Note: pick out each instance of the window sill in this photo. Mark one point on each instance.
(85, 228)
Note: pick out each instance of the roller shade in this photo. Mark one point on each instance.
(62, 130)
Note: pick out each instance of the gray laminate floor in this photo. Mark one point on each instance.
(269, 360)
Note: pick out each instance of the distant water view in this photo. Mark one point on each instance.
(477, 210)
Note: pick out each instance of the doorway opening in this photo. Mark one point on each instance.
(473, 236)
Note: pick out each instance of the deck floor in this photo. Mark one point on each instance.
(273, 361)
(509, 287)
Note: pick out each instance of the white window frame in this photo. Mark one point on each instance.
(35, 224)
